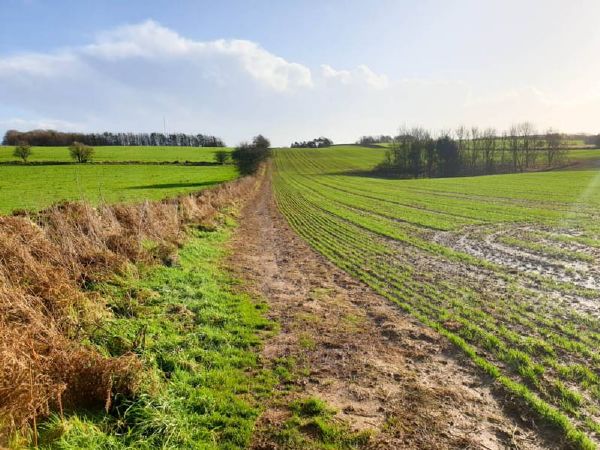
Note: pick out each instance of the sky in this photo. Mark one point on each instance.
(295, 70)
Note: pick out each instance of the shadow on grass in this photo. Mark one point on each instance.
(175, 185)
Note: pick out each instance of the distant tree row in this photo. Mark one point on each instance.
(471, 151)
(372, 140)
(315, 143)
(61, 139)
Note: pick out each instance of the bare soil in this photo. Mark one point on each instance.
(379, 368)
(485, 242)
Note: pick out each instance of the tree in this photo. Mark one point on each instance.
(315, 143)
(249, 156)
(489, 144)
(22, 151)
(372, 140)
(80, 152)
(221, 156)
(597, 141)
(528, 138)
(447, 156)
(59, 139)
(515, 148)
(261, 142)
(555, 149)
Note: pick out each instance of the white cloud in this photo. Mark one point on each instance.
(343, 76)
(151, 41)
(361, 75)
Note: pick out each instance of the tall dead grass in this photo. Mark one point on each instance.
(46, 261)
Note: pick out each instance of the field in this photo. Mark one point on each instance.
(483, 312)
(117, 153)
(506, 266)
(39, 185)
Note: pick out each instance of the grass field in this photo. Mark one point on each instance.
(38, 186)
(116, 153)
(506, 266)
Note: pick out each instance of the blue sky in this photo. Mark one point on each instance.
(298, 69)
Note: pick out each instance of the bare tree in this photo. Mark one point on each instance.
(474, 149)
(528, 138)
(489, 145)
(462, 136)
(515, 148)
(555, 148)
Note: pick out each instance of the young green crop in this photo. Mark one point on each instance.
(390, 234)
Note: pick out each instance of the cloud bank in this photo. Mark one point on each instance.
(132, 77)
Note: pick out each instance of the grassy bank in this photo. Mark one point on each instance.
(197, 339)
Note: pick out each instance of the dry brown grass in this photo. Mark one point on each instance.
(46, 261)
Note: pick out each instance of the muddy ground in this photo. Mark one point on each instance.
(379, 368)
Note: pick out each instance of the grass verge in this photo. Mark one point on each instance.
(197, 338)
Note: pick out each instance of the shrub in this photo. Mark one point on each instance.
(248, 156)
(221, 156)
(22, 151)
(81, 153)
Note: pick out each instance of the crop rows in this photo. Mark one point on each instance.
(424, 244)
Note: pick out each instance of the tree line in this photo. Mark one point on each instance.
(418, 153)
(61, 139)
(315, 143)
(373, 140)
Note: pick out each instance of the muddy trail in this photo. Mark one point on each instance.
(380, 369)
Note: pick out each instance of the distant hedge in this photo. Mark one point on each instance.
(54, 138)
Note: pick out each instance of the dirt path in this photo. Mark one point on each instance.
(378, 367)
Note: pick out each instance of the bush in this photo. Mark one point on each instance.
(22, 151)
(221, 157)
(81, 153)
(248, 156)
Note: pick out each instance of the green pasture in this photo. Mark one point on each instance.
(117, 153)
(38, 186)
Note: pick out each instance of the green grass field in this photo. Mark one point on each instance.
(504, 266)
(38, 186)
(111, 154)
